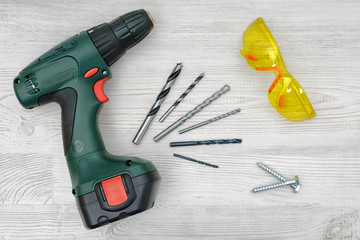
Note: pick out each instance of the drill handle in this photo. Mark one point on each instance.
(67, 99)
(79, 114)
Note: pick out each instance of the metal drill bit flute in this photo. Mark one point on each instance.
(192, 113)
(206, 142)
(209, 121)
(181, 97)
(155, 108)
(194, 160)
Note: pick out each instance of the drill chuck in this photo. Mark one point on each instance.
(114, 38)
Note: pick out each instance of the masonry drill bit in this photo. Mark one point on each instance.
(155, 108)
(209, 121)
(206, 142)
(192, 113)
(181, 97)
(194, 160)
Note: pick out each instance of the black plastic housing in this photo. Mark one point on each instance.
(95, 212)
(114, 38)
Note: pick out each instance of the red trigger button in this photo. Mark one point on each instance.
(99, 91)
(91, 72)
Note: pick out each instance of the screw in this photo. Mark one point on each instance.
(295, 182)
(275, 174)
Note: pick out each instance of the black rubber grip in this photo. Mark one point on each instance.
(67, 99)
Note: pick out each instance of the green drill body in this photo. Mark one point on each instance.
(67, 74)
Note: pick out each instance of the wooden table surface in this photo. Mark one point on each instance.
(319, 41)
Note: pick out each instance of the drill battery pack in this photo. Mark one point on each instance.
(117, 198)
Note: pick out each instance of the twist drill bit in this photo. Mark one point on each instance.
(209, 121)
(160, 98)
(181, 97)
(192, 113)
(206, 142)
(194, 160)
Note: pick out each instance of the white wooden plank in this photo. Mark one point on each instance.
(203, 222)
(319, 42)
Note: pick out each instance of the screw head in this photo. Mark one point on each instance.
(297, 184)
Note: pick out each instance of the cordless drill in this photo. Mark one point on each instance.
(72, 74)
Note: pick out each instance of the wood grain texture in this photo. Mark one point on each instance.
(320, 44)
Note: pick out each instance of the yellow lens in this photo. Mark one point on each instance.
(263, 54)
(290, 100)
(259, 44)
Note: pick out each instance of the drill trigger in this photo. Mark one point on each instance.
(99, 90)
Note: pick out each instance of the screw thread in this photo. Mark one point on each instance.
(268, 187)
(276, 185)
(275, 174)
(272, 172)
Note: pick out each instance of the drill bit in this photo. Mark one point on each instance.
(181, 97)
(206, 142)
(194, 160)
(209, 121)
(192, 113)
(155, 108)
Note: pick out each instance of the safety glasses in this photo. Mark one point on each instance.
(263, 54)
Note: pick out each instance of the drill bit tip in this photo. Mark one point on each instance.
(180, 64)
